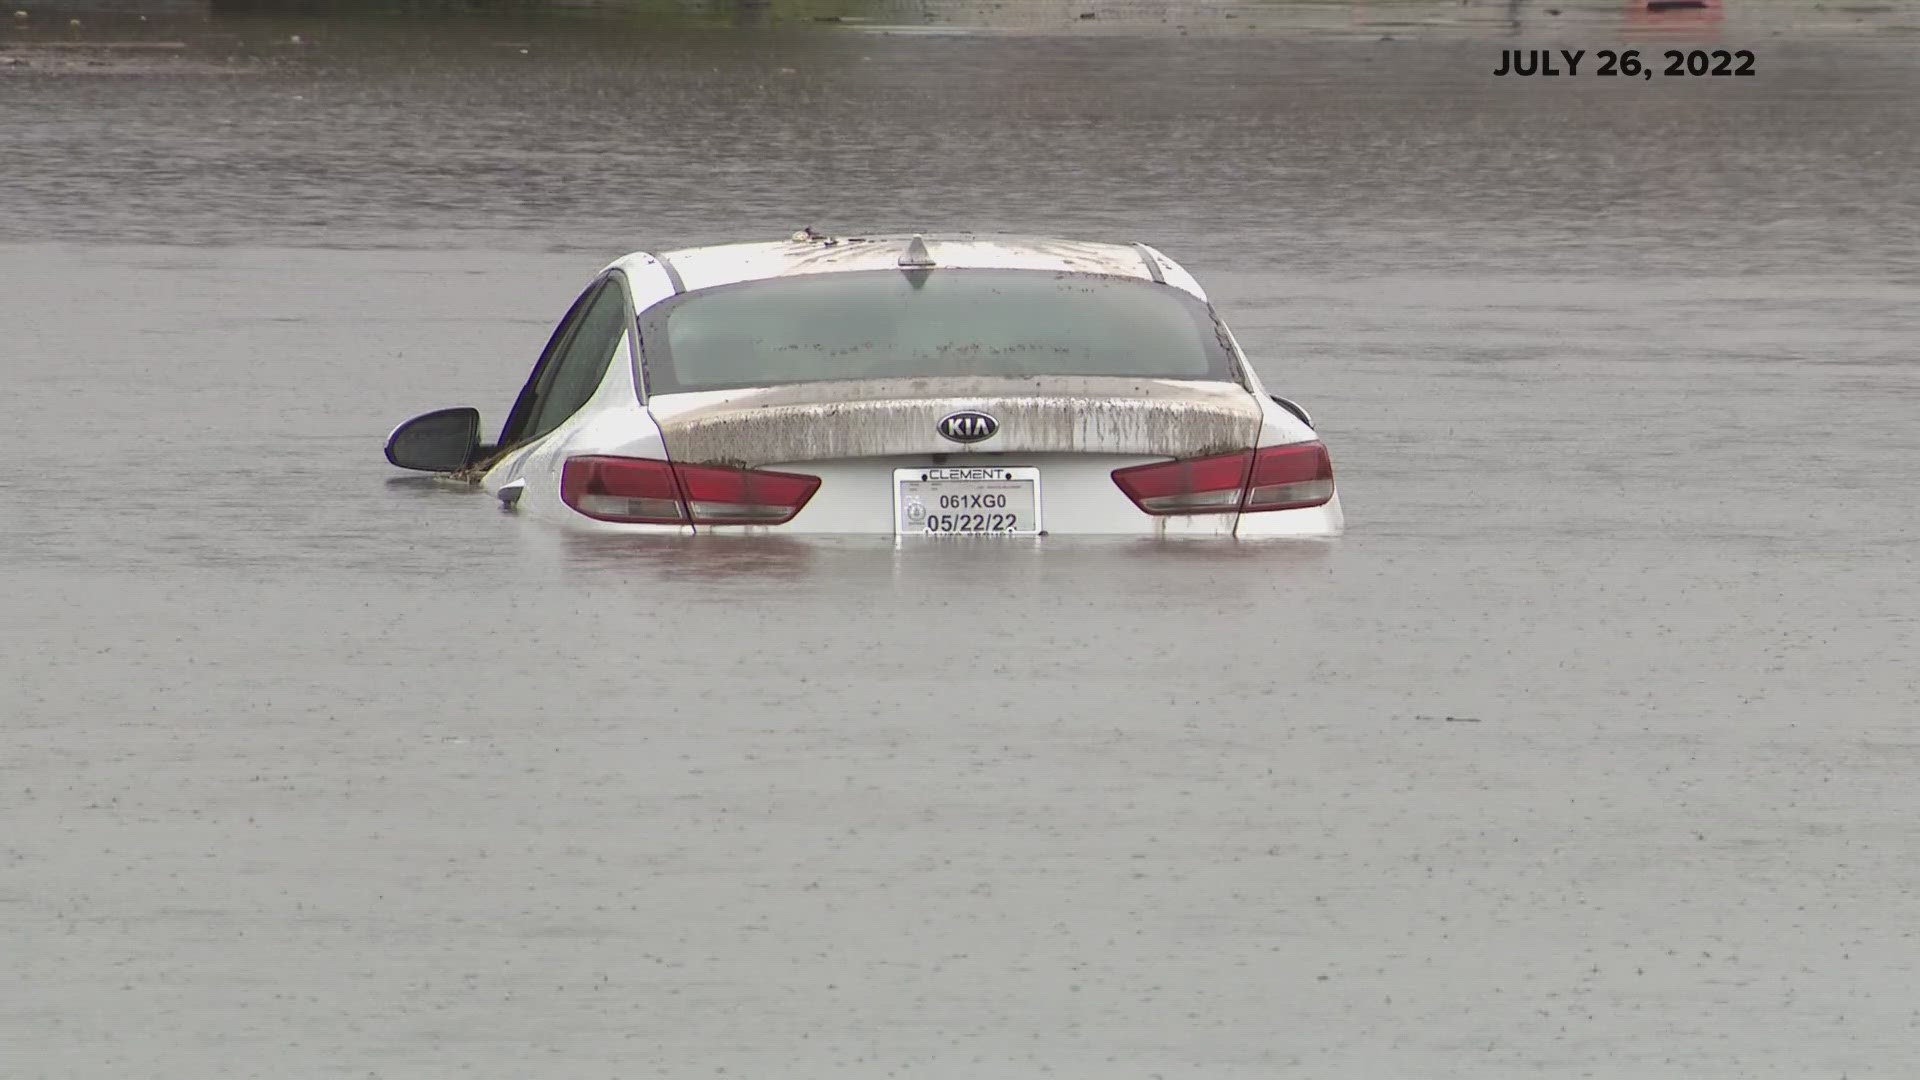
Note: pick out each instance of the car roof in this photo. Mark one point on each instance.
(809, 252)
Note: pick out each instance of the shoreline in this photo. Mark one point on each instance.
(32, 26)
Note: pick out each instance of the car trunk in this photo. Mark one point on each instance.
(1075, 431)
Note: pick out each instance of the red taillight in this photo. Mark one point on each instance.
(1208, 485)
(743, 496)
(1277, 478)
(1290, 478)
(644, 491)
(622, 489)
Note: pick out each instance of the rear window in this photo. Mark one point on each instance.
(880, 324)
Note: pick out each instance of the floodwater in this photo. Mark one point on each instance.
(1591, 749)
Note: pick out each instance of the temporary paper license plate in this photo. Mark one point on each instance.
(991, 501)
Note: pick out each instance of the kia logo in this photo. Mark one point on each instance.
(967, 426)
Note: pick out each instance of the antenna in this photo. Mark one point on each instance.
(916, 256)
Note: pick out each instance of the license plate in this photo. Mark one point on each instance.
(990, 501)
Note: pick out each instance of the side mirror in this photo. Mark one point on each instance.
(1292, 408)
(443, 441)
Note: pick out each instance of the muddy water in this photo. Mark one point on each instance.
(1589, 751)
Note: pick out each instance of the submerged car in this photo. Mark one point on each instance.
(908, 385)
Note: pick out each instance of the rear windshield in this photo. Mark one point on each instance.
(881, 324)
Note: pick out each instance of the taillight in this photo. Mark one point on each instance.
(1290, 478)
(1208, 485)
(743, 496)
(644, 491)
(622, 489)
(1277, 478)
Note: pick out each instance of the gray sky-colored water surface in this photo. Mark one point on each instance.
(1589, 751)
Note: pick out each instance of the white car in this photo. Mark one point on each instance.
(895, 385)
